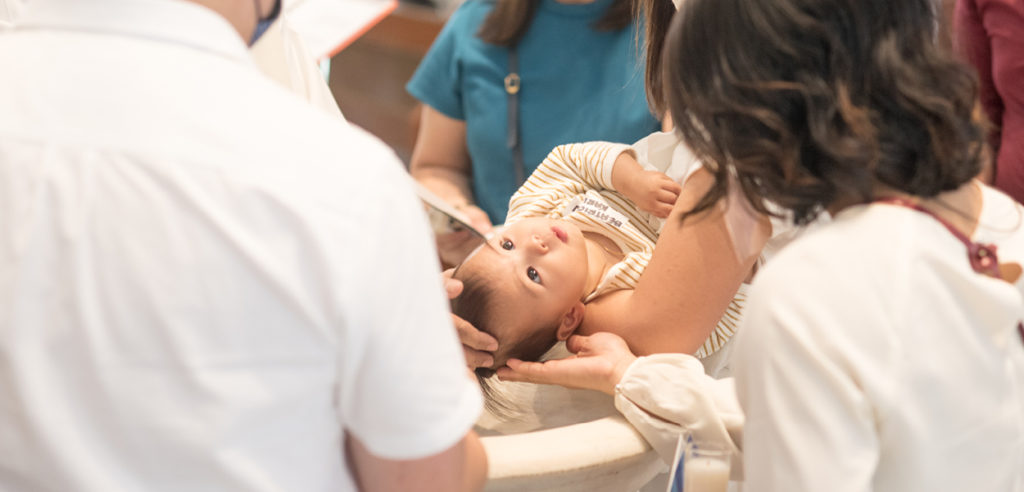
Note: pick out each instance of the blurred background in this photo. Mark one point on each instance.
(368, 76)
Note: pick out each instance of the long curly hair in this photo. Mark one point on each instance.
(811, 103)
(656, 16)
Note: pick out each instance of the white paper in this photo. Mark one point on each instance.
(443, 217)
(328, 26)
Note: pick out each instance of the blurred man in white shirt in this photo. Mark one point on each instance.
(206, 283)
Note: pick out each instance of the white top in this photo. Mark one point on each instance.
(873, 358)
(10, 10)
(666, 395)
(194, 296)
(280, 54)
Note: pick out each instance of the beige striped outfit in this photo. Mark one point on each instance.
(574, 184)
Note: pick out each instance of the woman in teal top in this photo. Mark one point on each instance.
(581, 80)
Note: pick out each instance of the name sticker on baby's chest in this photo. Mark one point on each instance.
(597, 209)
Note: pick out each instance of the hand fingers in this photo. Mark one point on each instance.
(531, 372)
(668, 197)
(576, 343)
(472, 337)
(657, 175)
(671, 186)
(452, 286)
(476, 358)
(659, 208)
(478, 340)
(662, 211)
(600, 344)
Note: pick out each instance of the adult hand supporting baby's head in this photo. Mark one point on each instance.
(600, 362)
(478, 347)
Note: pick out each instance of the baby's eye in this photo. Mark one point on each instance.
(506, 244)
(532, 274)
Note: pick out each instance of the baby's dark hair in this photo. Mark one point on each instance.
(477, 306)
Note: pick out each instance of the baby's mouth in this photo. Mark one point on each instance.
(560, 234)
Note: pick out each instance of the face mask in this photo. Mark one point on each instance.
(263, 24)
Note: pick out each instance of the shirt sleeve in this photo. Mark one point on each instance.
(566, 172)
(666, 395)
(405, 391)
(809, 425)
(437, 81)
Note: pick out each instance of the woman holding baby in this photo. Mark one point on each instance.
(883, 350)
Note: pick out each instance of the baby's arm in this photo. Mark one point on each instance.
(571, 169)
(650, 191)
(567, 171)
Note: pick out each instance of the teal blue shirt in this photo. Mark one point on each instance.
(578, 85)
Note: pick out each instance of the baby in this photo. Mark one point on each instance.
(583, 226)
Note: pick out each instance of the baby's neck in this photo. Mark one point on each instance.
(602, 253)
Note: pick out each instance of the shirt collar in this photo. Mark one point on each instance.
(170, 21)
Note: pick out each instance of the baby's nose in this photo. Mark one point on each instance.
(539, 243)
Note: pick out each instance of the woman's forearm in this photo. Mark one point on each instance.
(440, 160)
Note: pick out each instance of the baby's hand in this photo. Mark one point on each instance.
(652, 192)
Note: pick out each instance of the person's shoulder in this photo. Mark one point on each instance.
(458, 35)
(1001, 223)
(295, 149)
(864, 241)
(1000, 209)
(838, 275)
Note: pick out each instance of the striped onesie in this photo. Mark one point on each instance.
(574, 183)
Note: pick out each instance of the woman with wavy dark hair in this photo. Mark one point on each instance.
(883, 351)
(864, 339)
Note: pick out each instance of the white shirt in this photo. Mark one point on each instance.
(10, 10)
(873, 358)
(204, 281)
(280, 54)
(666, 395)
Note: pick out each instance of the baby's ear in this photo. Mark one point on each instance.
(570, 321)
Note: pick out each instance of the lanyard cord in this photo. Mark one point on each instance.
(514, 140)
(982, 256)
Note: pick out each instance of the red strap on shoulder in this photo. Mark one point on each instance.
(982, 256)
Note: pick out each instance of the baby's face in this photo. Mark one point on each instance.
(538, 268)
